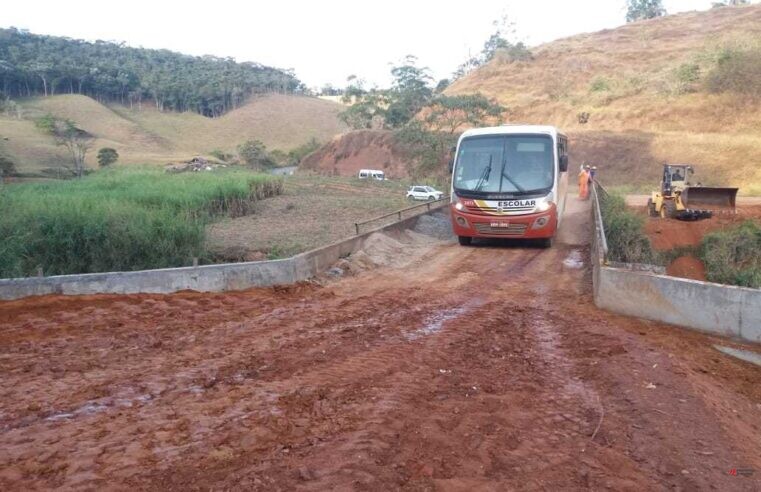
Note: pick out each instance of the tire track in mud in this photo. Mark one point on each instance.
(454, 327)
(396, 356)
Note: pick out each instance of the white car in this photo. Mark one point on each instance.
(424, 193)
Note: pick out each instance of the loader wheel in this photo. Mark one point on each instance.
(651, 208)
(669, 209)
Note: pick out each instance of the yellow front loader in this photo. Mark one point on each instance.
(678, 199)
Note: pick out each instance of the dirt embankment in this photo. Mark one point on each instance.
(669, 234)
(346, 154)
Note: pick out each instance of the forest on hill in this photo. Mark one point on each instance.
(38, 65)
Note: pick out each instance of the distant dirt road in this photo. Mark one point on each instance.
(641, 200)
(482, 368)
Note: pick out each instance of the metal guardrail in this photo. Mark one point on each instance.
(399, 212)
(598, 190)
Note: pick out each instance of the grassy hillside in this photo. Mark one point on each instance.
(646, 87)
(146, 135)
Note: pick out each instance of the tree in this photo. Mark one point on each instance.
(428, 140)
(254, 154)
(502, 40)
(391, 108)
(107, 156)
(644, 9)
(730, 3)
(66, 134)
(409, 93)
(33, 65)
(449, 113)
(442, 85)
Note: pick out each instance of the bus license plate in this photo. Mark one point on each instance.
(496, 225)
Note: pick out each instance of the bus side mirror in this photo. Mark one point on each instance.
(451, 166)
(563, 163)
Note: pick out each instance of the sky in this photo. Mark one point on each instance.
(324, 42)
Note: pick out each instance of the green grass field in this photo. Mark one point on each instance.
(126, 218)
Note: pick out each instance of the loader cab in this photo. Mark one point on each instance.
(675, 177)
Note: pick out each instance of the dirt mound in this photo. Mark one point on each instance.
(435, 225)
(687, 267)
(667, 234)
(395, 250)
(346, 154)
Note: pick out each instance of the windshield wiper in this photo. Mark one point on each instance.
(517, 187)
(484, 176)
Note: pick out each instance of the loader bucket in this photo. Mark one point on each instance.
(707, 197)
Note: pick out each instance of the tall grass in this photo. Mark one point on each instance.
(119, 219)
(732, 256)
(627, 241)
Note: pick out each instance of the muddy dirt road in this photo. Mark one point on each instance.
(483, 368)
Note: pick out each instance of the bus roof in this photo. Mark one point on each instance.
(513, 129)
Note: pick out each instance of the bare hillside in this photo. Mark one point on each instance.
(145, 135)
(644, 87)
(363, 149)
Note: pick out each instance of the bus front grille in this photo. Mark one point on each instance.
(497, 211)
(509, 230)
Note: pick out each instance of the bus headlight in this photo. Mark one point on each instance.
(540, 222)
(459, 205)
(544, 206)
(461, 221)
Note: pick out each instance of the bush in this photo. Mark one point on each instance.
(221, 155)
(600, 84)
(731, 256)
(513, 53)
(627, 241)
(685, 77)
(737, 71)
(297, 154)
(7, 167)
(119, 219)
(254, 154)
(107, 156)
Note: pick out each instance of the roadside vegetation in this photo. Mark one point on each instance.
(624, 228)
(732, 256)
(120, 219)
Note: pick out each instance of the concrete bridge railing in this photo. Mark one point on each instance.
(206, 278)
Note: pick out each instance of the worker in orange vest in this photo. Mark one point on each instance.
(583, 183)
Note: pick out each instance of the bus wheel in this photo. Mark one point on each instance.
(547, 242)
(464, 240)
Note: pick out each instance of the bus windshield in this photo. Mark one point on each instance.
(516, 164)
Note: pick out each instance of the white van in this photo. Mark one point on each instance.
(371, 174)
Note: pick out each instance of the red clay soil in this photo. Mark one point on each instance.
(363, 149)
(475, 368)
(687, 267)
(666, 234)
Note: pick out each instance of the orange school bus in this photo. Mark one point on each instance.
(509, 182)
